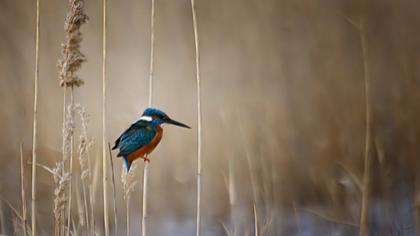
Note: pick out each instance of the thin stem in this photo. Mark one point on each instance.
(104, 166)
(71, 161)
(127, 216)
(199, 131)
(145, 178)
(113, 190)
(367, 160)
(152, 52)
(63, 152)
(151, 73)
(60, 230)
(35, 120)
(256, 223)
(22, 186)
(85, 205)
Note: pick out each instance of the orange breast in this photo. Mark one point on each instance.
(148, 148)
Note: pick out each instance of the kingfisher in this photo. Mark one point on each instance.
(142, 137)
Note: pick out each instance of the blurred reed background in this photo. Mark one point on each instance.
(283, 98)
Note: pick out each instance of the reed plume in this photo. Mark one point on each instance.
(72, 57)
(85, 143)
(68, 65)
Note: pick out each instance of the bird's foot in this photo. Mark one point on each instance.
(146, 159)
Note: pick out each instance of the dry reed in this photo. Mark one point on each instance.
(151, 73)
(104, 165)
(79, 204)
(114, 194)
(22, 187)
(70, 63)
(368, 140)
(199, 119)
(35, 112)
(128, 184)
(365, 185)
(85, 143)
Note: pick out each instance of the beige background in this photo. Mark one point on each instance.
(282, 84)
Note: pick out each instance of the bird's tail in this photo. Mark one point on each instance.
(127, 163)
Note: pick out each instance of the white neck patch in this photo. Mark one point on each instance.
(146, 118)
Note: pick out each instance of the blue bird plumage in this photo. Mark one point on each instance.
(143, 136)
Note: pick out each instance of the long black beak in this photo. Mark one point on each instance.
(174, 122)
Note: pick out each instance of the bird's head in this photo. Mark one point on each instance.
(158, 117)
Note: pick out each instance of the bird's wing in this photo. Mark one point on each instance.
(135, 137)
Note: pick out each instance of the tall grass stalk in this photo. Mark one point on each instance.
(22, 187)
(114, 194)
(104, 165)
(79, 204)
(199, 131)
(128, 182)
(93, 190)
(84, 146)
(151, 73)
(256, 223)
(144, 215)
(365, 185)
(364, 229)
(63, 131)
(71, 162)
(68, 65)
(35, 114)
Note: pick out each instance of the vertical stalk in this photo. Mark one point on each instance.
(35, 113)
(113, 190)
(199, 132)
(22, 186)
(256, 223)
(152, 52)
(104, 166)
(151, 73)
(144, 217)
(127, 216)
(367, 160)
(63, 147)
(85, 206)
(64, 142)
(71, 162)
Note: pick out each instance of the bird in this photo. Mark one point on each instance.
(143, 135)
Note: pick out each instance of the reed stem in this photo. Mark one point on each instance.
(71, 162)
(151, 73)
(22, 186)
(35, 114)
(113, 190)
(104, 165)
(367, 160)
(199, 119)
